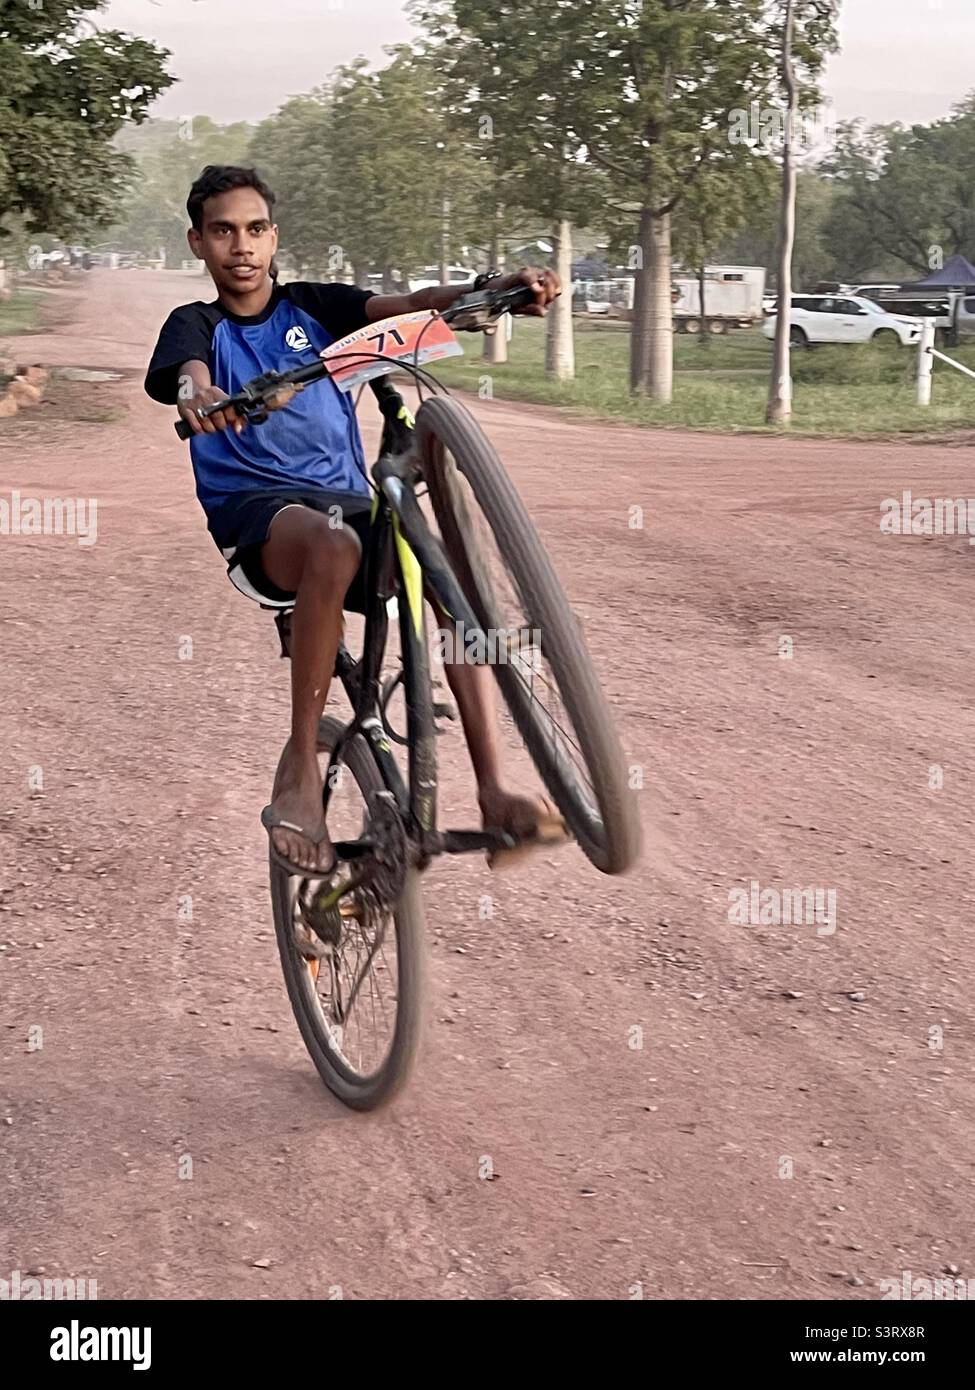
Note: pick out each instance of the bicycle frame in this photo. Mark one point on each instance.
(404, 557)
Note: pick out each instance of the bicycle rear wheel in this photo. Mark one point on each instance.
(358, 989)
(554, 696)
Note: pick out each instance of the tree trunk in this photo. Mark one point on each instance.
(443, 270)
(638, 325)
(360, 272)
(652, 351)
(496, 343)
(389, 283)
(702, 303)
(779, 408)
(559, 347)
(660, 318)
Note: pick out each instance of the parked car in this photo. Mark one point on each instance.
(966, 315)
(922, 304)
(827, 318)
(430, 275)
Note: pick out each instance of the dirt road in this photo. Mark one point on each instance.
(671, 1101)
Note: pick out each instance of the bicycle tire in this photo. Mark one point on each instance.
(359, 1092)
(610, 838)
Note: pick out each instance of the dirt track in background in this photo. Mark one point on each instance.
(616, 1165)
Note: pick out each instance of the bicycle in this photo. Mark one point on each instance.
(480, 556)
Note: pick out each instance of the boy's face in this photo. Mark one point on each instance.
(237, 242)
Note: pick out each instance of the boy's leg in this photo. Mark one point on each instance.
(473, 689)
(305, 556)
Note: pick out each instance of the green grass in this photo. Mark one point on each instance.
(20, 312)
(853, 391)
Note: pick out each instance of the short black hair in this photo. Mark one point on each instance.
(220, 178)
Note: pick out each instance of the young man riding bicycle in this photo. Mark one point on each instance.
(270, 493)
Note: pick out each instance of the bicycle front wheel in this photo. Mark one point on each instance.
(551, 690)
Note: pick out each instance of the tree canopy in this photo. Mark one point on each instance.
(905, 196)
(68, 88)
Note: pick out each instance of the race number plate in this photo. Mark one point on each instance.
(408, 339)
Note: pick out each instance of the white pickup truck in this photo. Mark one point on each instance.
(834, 318)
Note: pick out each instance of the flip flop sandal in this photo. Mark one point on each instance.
(272, 821)
(551, 831)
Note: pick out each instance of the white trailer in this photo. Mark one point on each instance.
(732, 298)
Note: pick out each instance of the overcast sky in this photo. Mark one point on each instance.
(905, 60)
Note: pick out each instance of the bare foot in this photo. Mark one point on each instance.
(520, 816)
(298, 799)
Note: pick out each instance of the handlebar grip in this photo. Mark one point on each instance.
(183, 429)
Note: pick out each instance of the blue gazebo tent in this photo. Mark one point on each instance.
(956, 274)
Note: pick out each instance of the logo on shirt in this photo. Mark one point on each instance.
(297, 339)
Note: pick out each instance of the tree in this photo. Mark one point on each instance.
(779, 408)
(655, 89)
(816, 256)
(376, 216)
(168, 160)
(501, 100)
(292, 150)
(475, 189)
(68, 88)
(363, 169)
(813, 21)
(645, 92)
(905, 198)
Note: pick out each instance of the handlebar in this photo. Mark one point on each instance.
(469, 313)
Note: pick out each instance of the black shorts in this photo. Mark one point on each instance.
(241, 525)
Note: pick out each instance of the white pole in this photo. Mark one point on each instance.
(925, 362)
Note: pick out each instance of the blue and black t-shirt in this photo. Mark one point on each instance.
(314, 441)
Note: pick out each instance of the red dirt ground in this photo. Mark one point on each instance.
(617, 1166)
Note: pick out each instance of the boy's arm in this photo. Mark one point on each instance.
(178, 373)
(544, 282)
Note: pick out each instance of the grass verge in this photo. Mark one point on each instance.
(19, 313)
(842, 391)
